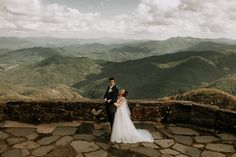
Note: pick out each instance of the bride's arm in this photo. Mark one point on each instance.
(118, 104)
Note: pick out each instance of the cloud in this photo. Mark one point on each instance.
(151, 19)
(32, 15)
(188, 17)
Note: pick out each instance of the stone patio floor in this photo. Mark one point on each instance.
(87, 139)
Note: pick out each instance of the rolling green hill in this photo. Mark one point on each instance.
(151, 77)
(158, 76)
(209, 96)
(63, 92)
(12, 59)
(52, 71)
(212, 46)
(143, 67)
(226, 84)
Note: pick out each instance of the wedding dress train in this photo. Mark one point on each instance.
(123, 129)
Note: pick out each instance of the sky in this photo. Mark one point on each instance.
(132, 19)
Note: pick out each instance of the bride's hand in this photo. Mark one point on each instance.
(116, 104)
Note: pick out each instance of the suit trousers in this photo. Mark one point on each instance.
(110, 110)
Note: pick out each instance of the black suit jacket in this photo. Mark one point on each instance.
(112, 95)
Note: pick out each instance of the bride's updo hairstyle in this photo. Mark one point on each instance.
(125, 93)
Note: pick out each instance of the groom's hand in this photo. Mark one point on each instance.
(109, 100)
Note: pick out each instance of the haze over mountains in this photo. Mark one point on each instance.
(148, 69)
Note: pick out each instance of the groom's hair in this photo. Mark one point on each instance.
(111, 78)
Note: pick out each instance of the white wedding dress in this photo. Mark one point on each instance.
(123, 129)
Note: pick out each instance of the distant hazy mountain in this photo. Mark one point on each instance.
(112, 49)
(29, 42)
(148, 69)
(213, 46)
(141, 49)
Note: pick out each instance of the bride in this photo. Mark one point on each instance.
(123, 129)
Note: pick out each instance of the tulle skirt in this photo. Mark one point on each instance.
(123, 129)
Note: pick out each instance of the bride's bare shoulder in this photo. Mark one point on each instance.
(122, 99)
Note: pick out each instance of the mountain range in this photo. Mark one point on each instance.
(147, 69)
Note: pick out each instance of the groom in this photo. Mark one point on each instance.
(109, 98)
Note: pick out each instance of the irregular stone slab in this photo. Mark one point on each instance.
(32, 136)
(85, 128)
(64, 140)
(15, 140)
(99, 153)
(181, 155)
(20, 131)
(62, 151)
(48, 140)
(69, 124)
(3, 147)
(125, 146)
(169, 151)
(64, 131)
(96, 112)
(116, 146)
(14, 124)
(12, 153)
(191, 151)
(103, 145)
(84, 146)
(164, 143)
(86, 137)
(167, 155)
(100, 126)
(205, 139)
(234, 155)
(220, 147)
(24, 152)
(1, 124)
(146, 151)
(45, 128)
(148, 126)
(207, 153)
(150, 145)
(156, 135)
(183, 131)
(98, 132)
(187, 140)
(27, 145)
(166, 133)
(226, 136)
(3, 135)
(43, 150)
(199, 145)
(228, 142)
(159, 126)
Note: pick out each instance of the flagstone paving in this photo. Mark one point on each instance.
(87, 139)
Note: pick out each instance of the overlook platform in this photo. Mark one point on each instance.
(79, 129)
(89, 139)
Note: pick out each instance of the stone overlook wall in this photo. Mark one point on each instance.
(94, 110)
